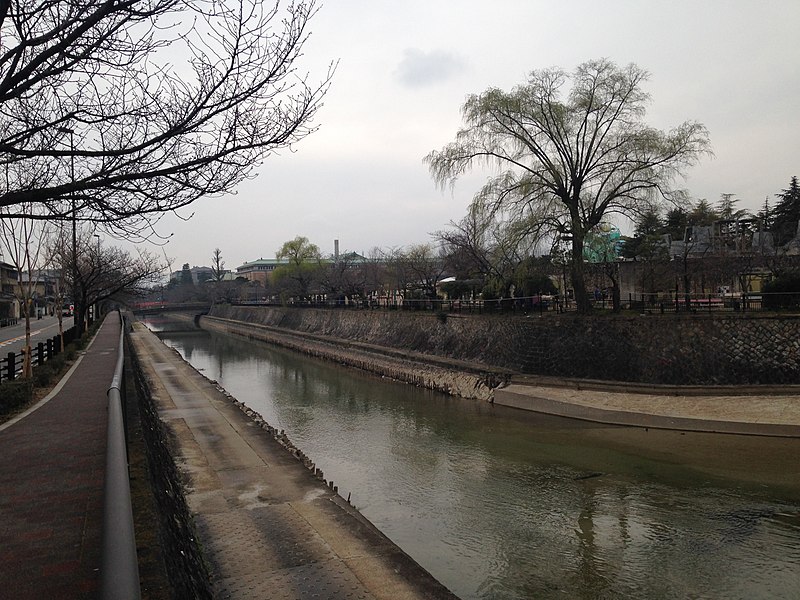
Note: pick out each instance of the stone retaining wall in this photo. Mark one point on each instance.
(652, 349)
(429, 372)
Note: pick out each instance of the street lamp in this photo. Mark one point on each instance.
(74, 218)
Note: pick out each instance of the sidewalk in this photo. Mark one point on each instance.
(52, 463)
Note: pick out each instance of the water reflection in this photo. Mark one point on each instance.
(497, 503)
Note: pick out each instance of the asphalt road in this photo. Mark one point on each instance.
(12, 339)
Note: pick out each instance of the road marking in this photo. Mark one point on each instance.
(18, 338)
(22, 337)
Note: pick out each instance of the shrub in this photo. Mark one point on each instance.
(43, 374)
(783, 292)
(14, 394)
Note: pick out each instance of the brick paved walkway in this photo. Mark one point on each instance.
(51, 483)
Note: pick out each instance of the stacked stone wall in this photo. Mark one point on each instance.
(653, 349)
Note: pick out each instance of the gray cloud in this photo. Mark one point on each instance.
(420, 69)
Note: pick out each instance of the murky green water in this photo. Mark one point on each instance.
(499, 503)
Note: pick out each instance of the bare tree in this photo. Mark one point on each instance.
(570, 162)
(59, 248)
(485, 246)
(419, 267)
(107, 273)
(24, 244)
(345, 277)
(116, 112)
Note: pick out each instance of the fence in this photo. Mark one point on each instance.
(527, 304)
(698, 303)
(543, 303)
(11, 365)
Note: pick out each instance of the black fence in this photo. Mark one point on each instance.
(11, 365)
(553, 304)
(538, 303)
(710, 303)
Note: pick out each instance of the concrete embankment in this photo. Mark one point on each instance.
(775, 414)
(335, 335)
(268, 523)
(459, 378)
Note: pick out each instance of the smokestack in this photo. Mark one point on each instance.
(336, 251)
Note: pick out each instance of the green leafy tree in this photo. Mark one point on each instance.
(302, 268)
(569, 160)
(647, 238)
(675, 222)
(786, 213)
(702, 214)
(726, 208)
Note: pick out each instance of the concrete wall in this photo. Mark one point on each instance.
(656, 349)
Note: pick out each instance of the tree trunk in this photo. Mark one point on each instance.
(687, 298)
(80, 311)
(27, 365)
(615, 298)
(582, 303)
(612, 274)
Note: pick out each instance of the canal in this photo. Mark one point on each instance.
(502, 504)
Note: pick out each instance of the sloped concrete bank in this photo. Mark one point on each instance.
(268, 523)
(433, 372)
(730, 348)
(187, 571)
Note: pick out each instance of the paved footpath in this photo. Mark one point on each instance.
(52, 464)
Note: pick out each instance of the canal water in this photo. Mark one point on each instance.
(503, 504)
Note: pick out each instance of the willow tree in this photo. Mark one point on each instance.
(569, 159)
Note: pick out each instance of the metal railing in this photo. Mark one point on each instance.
(120, 569)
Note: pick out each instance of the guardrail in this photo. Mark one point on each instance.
(120, 569)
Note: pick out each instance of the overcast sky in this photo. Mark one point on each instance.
(405, 69)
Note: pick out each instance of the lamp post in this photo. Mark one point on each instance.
(74, 222)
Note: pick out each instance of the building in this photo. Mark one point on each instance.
(199, 274)
(260, 270)
(9, 307)
(45, 285)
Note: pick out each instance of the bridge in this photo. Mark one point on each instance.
(150, 308)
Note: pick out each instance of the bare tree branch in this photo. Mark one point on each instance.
(166, 101)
